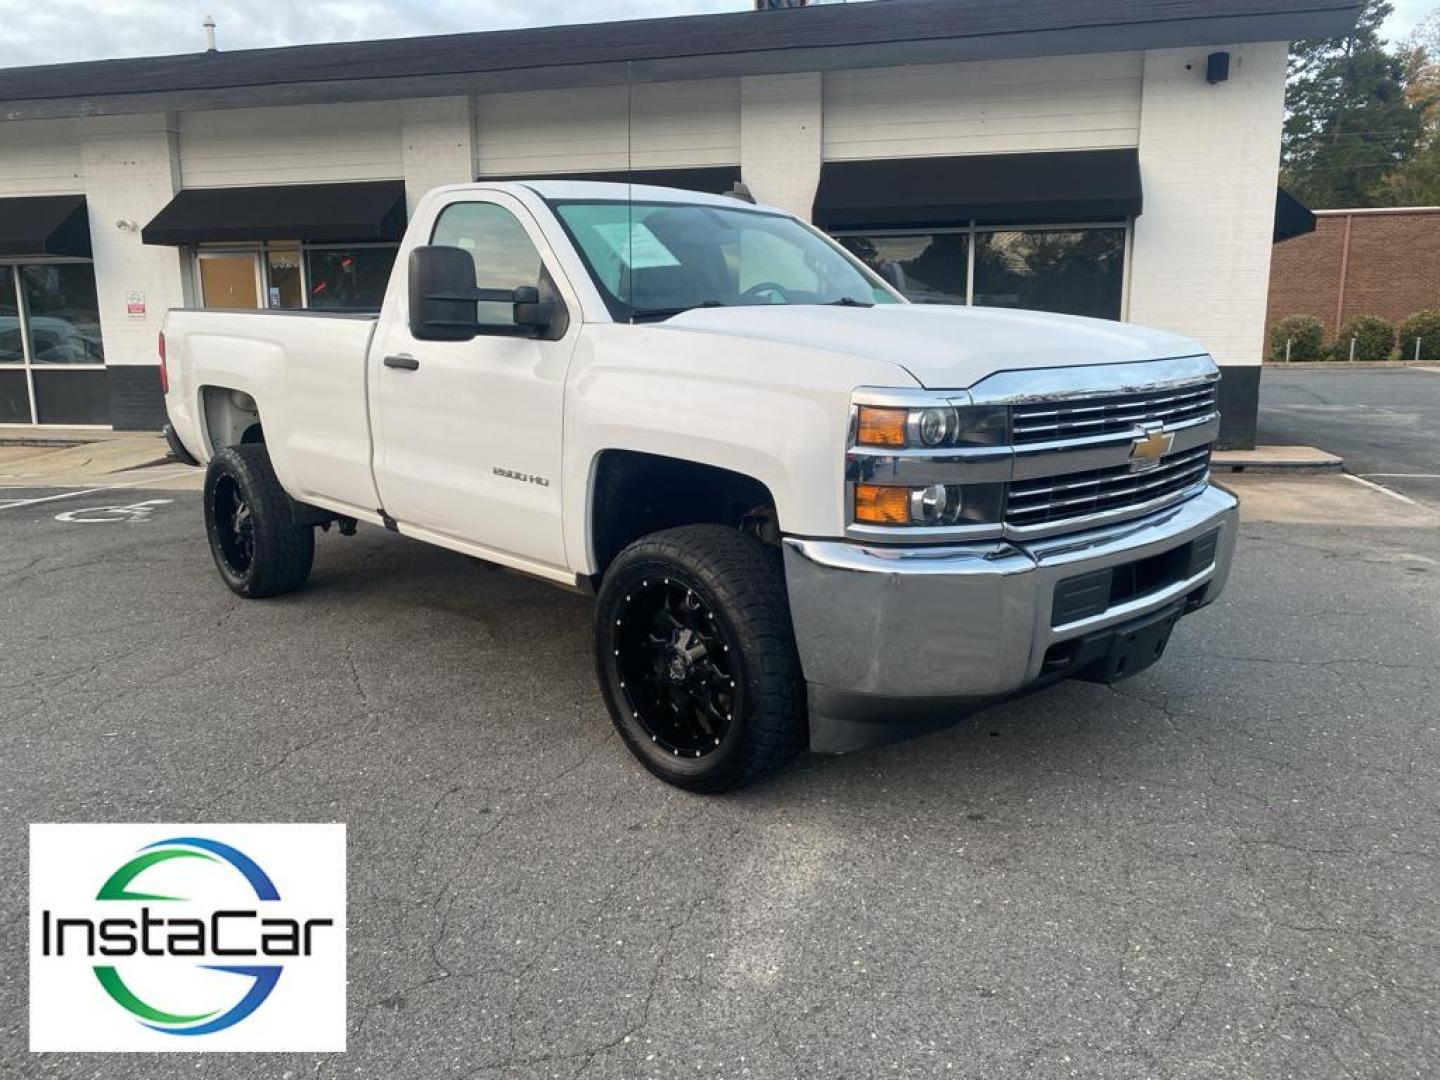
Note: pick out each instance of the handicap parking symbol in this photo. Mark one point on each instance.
(104, 515)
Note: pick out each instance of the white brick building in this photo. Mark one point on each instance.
(1077, 155)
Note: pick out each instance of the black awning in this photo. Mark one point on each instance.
(45, 225)
(320, 213)
(1080, 185)
(1292, 217)
(711, 179)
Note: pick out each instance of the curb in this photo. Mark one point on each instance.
(1346, 365)
(69, 437)
(42, 440)
(1303, 460)
(1293, 468)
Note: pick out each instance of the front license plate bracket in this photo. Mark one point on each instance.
(1134, 646)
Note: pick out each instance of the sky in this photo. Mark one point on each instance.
(1408, 14)
(59, 31)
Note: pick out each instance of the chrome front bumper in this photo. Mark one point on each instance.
(896, 640)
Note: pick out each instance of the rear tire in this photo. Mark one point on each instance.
(696, 657)
(259, 547)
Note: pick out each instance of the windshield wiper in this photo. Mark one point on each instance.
(665, 313)
(848, 301)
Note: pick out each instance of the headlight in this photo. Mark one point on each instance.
(927, 504)
(931, 427)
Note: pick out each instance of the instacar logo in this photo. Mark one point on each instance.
(188, 943)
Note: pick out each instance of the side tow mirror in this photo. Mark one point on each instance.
(531, 311)
(442, 294)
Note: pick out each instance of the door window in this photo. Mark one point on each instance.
(230, 281)
(284, 288)
(505, 257)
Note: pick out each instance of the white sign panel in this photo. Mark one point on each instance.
(187, 938)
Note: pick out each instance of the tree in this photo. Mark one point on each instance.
(1417, 181)
(1348, 125)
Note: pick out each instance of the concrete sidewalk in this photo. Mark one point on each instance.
(57, 459)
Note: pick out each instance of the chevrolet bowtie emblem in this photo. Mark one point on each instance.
(1150, 447)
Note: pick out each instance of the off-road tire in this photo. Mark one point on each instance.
(741, 582)
(283, 549)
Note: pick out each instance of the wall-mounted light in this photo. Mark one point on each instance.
(1217, 67)
(126, 225)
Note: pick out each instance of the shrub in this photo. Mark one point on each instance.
(1424, 325)
(1305, 335)
(1373, 337)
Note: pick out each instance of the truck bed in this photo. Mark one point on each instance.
(309, 367)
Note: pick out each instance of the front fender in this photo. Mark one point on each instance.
(776, 413)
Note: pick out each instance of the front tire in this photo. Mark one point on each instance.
(259, 547)
(696, 657)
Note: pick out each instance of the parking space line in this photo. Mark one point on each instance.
(1405, 475)
(48, 498)
(183, 470)
(1382, 489)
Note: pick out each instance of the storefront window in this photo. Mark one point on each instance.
(351, 279)
(284, 288)
(62, 313)
(12, 349)
(14, 396)
(51, 354)
(929, 268)
(1074, 272)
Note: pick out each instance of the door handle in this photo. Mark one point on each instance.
(402, 363)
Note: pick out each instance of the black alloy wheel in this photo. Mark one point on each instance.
(696, 657)
(234, 527)
(676, 673)
(260, 544)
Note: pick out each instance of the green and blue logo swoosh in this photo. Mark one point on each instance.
(120, 886)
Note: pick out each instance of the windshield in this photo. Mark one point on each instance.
(654, 260)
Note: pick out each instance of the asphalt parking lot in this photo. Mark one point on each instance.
(1385, 422)
(1228, 867)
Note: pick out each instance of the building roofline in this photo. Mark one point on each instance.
(873, 34)
(1368, 210)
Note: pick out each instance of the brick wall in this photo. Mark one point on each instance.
(1392, 268)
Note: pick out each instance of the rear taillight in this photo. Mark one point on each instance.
(164, 367)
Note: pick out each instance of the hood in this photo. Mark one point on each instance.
(943, 347)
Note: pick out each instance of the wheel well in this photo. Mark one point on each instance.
(637, 494)
(231, 417)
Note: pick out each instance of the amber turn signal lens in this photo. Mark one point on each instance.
(876, 504)
(880, 427)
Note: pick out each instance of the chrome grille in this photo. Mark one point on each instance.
(1048, 420)
(1058, 498)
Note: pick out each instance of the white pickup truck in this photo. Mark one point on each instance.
(813, 515)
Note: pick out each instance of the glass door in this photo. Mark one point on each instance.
(230, 279)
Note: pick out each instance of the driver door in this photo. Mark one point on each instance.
(468, 433)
